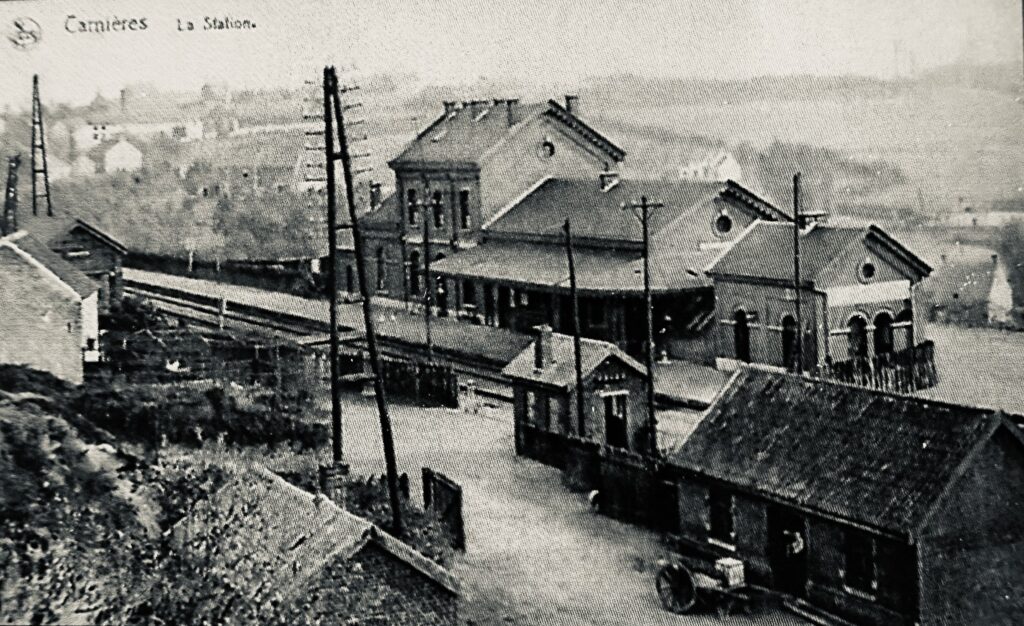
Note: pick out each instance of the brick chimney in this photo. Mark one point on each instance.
(995, 259)
(512, 111)
(572, 104)
(609, 180)
(542, 347)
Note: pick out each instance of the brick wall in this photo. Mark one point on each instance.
(40, 320)
(375, 588)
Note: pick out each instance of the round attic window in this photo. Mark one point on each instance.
(546, 149)
(867, 271)
(723, 224)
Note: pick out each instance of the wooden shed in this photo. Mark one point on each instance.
(878, 507)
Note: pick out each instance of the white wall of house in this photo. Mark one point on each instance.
(122, 157)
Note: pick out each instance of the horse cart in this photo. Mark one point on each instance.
(688, 584)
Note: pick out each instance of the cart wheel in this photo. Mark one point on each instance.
(676, 588)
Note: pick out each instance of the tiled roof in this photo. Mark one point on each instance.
(67, 273)
(560, 371)
(464, 135)
(546, 265)
(49, 229)
(876, 458)
(766, 251)
(269, 531)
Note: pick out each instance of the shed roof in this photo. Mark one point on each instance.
(765, 251)
(560, 371)
(464, 135)
(875, 458)
(41, 253)
(269, 531)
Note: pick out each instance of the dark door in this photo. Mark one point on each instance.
(504, 306)
(741, 335)
(787, 550)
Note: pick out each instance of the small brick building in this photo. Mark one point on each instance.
(881, 508)
(313, 552)
(543, 379)
(49, 317)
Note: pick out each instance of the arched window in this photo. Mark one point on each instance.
(381, 270)
(883, 338)
(789, 350)
(741, 335)
(858, 337)
(906, 319)
(414, 273)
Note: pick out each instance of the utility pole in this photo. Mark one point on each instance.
(10, 217)
(428, 286)
(576, 341)
(331, 89)
(798, 361)
(642, 210)
(39, 167)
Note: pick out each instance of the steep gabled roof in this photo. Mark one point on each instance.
(49, 229)
(465, 134)
(560, 370)
(283, 536)
(72, 277)
(765, 251)
(878, 459)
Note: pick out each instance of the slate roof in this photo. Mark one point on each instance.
(560, 371)
(282, 535)
(49, 229)
(766, 251)
(463, 137)
(876, 458)
(67, 273)
(546, 266)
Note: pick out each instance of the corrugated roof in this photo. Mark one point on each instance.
(269, 531)
(872, 457)
(560, 370)
(465, 134)
(67, 273)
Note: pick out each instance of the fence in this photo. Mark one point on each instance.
(904, 371)
(443, 496)
(424, 383)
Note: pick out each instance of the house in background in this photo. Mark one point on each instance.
(543, 379)
(49, 313)
(858, 296)
(309, 550)
(83, 167)
(714, 167)
(122, 157)
(878, 507)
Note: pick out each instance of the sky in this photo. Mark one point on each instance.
(462, 41)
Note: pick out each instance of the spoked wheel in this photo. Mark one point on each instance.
(676, 588)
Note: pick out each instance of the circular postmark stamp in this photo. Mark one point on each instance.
(24, 33)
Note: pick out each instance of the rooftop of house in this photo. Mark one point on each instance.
(31, 247)
(269, 531)
(765, 251)
(466, 131)
(875, 458)
(277, 149)
(50, 229)
(559, 366)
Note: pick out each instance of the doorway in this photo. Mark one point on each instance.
(787, 550)
(741, 335)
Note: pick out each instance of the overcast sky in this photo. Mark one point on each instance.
(463, 40)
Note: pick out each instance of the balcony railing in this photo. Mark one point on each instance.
(904, 371)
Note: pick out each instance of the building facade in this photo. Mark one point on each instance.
(826, 492)
(49, 313)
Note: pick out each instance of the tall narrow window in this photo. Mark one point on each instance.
(464, 216)
(741, 335)
(859, 561)
(350, 279)
(412, 207)
(720, 515)
(883, 336)
(789, 342)
(381, 270)
(858, 337)
(438, 207)
(414, 273)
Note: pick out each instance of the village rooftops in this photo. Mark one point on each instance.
(873, 458)
(765, 251)
(559, 360)
(50, 229)
(33, 250)
(468, 131)
(283, 536)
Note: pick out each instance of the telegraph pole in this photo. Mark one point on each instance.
(798, 360)
(642, 210)
(331, 89)
(39, 168)
(576, 341)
